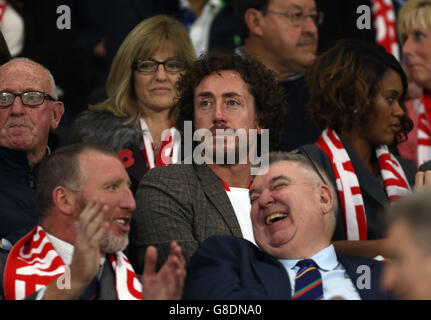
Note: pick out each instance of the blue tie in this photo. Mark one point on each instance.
(308, 281)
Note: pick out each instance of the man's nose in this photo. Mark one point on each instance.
(219, 116)
(310, 25)
(17, 107)
(128, 200)
(265, 198)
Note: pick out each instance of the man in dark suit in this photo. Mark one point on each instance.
(293, 211)
(191, 201)
(283, 34)
(84, 214)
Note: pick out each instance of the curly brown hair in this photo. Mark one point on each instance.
(345, 80)
(270, 104)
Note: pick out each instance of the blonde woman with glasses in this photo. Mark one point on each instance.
(137, 118)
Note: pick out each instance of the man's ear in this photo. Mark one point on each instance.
(57, 113)
(64, 199)
(254, 20)
(326, 198)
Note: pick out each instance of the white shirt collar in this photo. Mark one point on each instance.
(326, 259)
(65, 249)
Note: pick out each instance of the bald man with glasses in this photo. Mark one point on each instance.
(29, 110)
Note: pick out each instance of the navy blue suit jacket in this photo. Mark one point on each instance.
(226, 267)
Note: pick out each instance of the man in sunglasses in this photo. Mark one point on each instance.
(28, 111)
(283, 34)
(293, 213)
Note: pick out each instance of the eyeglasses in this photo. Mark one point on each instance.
(301, 151)
(151, 66)
(28, 98)
(298, 19)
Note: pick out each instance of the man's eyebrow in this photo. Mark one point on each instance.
(298, 7)
(280, 177)
(204, 94)
(272, 181)
(7, 89)
(230, 94)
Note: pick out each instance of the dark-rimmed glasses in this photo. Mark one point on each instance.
(28, 98)
(151, 66)
(298, 19)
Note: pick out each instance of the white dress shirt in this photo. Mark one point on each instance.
(240, 200)
(335, 281)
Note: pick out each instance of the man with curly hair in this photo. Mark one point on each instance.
(220, 95)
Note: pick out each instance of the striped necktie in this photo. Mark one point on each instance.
(308, 281)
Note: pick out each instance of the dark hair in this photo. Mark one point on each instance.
(241, 6)
(62, 168)
(4, 50)
(344, 82)
(269, 100)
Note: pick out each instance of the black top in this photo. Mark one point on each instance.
(298, 130)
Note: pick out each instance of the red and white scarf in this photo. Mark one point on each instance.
(424, 130)
(33, 264)
(347, 184)
(385, 25)
(169, 149)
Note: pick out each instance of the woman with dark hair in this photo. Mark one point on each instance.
(357, 91)
(4, 50)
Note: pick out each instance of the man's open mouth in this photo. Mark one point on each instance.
(275, 217)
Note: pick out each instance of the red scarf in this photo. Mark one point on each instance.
(347, 184)
(168, 152)
(424, 131)
(3, 4)
(385, 25)
(33, 264)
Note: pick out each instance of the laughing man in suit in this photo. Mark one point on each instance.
(293, 211)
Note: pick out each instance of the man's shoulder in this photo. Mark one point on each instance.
(179, 173)
(229, 244)
(355, 261)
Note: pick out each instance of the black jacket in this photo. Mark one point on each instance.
(17, 195)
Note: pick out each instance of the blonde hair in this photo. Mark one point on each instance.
(414, 13)
(141, 43)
